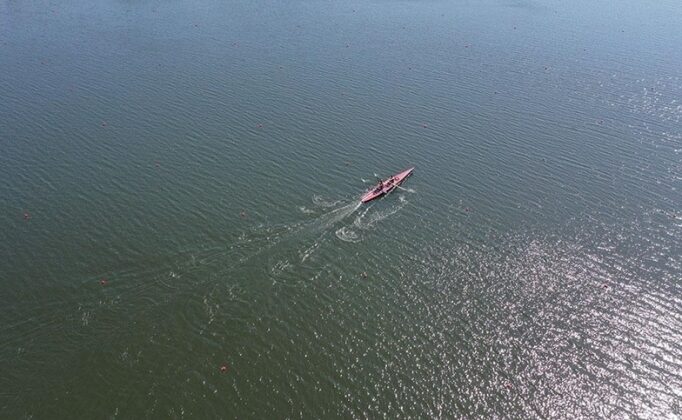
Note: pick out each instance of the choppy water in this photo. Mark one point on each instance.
(180, 233)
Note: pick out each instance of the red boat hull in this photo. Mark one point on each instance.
(386, 186)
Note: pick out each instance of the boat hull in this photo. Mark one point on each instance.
(386, 186)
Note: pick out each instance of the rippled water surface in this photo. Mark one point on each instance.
(181, 235)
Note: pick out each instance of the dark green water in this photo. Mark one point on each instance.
(179, 185)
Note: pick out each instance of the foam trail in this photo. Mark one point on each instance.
(376, 217)
(347, 234)
(320, 226)
(332, 217)
(320, 201)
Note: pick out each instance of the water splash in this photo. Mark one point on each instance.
(321, 201)
(367, 219)
(347, 234)
(306, 210)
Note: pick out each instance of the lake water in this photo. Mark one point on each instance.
(180, 232)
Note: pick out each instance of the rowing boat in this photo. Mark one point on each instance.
(386, 186)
